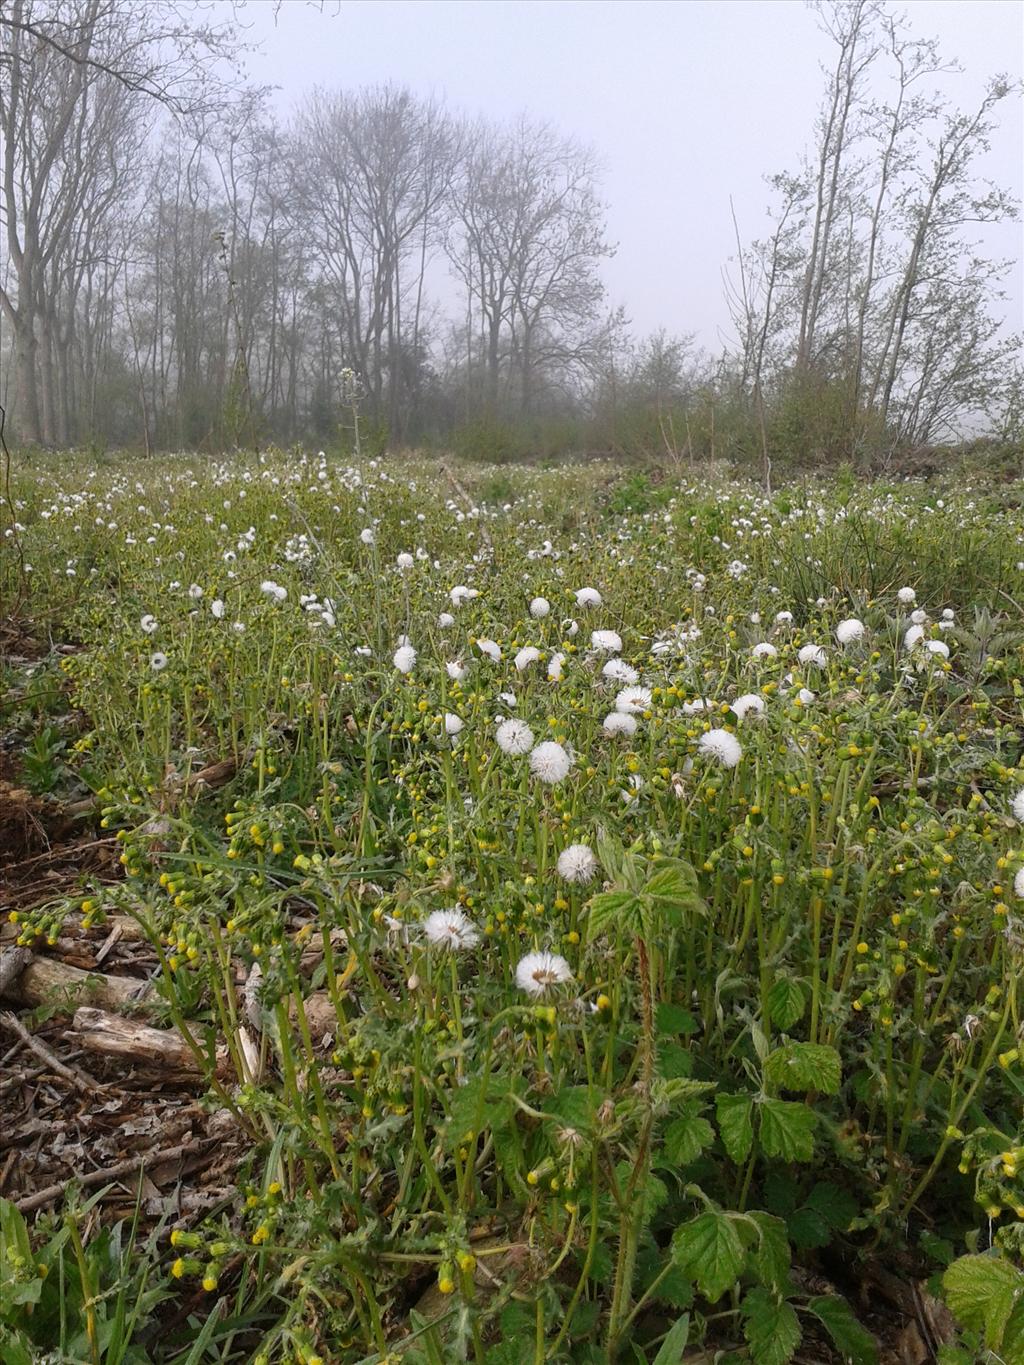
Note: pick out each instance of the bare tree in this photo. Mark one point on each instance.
(526, 242)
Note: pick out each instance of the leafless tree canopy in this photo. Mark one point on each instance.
(182, 269)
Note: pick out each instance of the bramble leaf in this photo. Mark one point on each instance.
(771, 1329)
(853, 1341)
(735, 1123)
(710, 1251)
(785, 1001)
(804, 1066)
(787, 1130)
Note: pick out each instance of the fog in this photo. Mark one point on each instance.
(688, 105)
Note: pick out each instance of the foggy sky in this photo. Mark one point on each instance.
(686, 101)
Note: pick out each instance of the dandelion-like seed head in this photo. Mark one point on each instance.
(450, 929)
(148, 624)
(620, 671)
(158, 661)
(539, 608)
(588, 597)
(633, 700)
(536, 973)
(577, 864)
(722, 746)
(404, 658)
(1017, 806)
(849, 630)
(619, 723)
(528, 655)
(514, 737)
(749, 702)
(906, 596)
(607, 641)
(549, 762)
(812, 654)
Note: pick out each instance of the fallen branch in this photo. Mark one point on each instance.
(45, 982)
(77, 1078)
(109, 1173)
(206, 779)
(13, 962)
(113, 1035)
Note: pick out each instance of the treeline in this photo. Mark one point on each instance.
(185, 271)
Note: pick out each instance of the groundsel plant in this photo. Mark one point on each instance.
(625, 919)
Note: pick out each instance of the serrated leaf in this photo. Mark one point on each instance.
(473, 1109)
(674, 1020)
(938, 1248)
(837, 1206)
(787, 1130)
(611, 855)
(780, 1192)
(673, 1062)
(609, 910)
(686, 1137)
(771, 1329)
(735, 1123)
(672, 1348)
(671, 893)
(710, 1251)
(770, 1255)
(574, 1106)
(785, 1001)
(982, 1291)
(804, 1066)
(673, 1289)
(853, 1341)
(808, 1229)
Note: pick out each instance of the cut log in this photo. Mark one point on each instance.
(114, 1036)
(45, 982)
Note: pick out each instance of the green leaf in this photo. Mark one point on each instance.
(809, 1229)
(735, 1122)
(787, 1130)
(671, 1352)
(671, 894)
(473, 1110)
(983, 1291)
(770, 1256)
(710, 1251)
(574, 1106)
(15, 1349)
(673, 1062)
(804, 1066)
(853, 1341)
(938, 1248)
(19, 1283)
(611, 855)
(838, 1207)
(601, 1265)
(771, 1329)
(686, 1137)
(674, 1020)
(780, 1192)
(785, 1001)
(610, 909)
